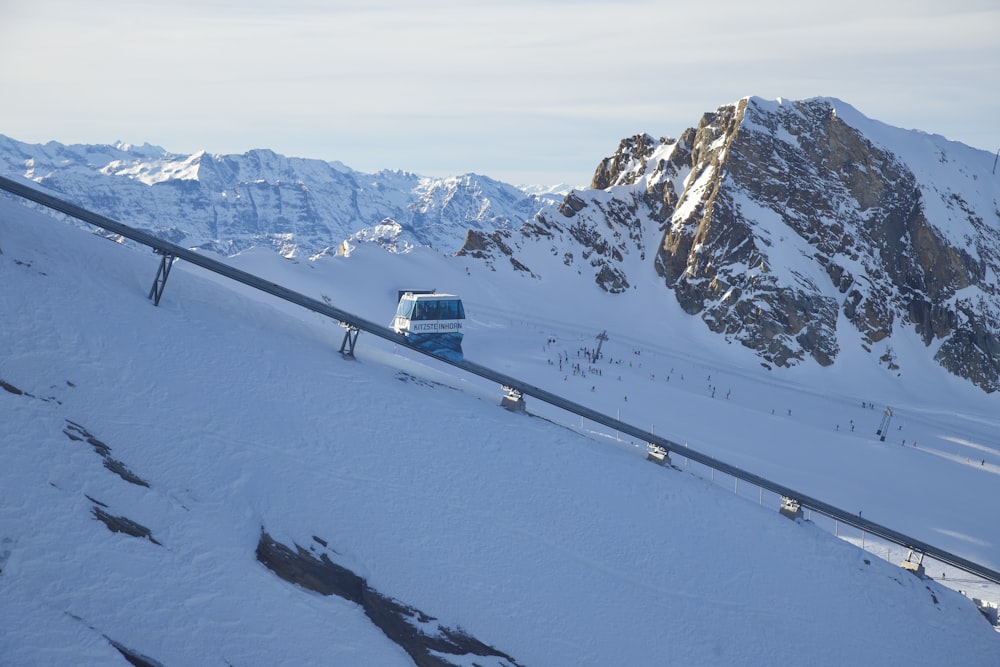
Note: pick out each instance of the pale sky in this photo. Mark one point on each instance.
(524, 91)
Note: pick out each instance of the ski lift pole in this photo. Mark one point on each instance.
(883, 427)
(601, 337)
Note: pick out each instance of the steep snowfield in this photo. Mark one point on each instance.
(554, 543)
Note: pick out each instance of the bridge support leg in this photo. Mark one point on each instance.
(657, 455)
(350, 338)
(914, 566)
(790, 508)
(156, 291)
(513, 400)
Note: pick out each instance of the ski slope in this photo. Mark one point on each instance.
(552, 541)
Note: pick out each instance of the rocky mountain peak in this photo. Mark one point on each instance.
(781, 223)
(794, 186)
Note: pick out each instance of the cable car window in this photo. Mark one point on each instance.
(448, 310)
(405, 309)
(427, 310)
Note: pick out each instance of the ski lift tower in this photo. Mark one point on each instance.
(601, 337)
(884, 426)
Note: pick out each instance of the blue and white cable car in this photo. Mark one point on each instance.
(431, 322)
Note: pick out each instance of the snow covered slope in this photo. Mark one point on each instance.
(222, 414)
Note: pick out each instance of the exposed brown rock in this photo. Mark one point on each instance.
(427, 642)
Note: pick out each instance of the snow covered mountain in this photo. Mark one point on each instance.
(796, 229)
(300, 207)
(208, 483)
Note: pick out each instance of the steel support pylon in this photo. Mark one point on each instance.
(350, 338)
(156, 291)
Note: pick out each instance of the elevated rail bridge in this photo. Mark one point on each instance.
(515, 389)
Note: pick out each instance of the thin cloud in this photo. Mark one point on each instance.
(377, 84)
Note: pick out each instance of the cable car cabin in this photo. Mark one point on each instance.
(431, 322)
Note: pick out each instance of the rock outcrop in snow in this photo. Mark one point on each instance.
(425, 640)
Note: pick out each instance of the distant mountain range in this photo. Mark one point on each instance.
(792, 227)
(228, 203)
